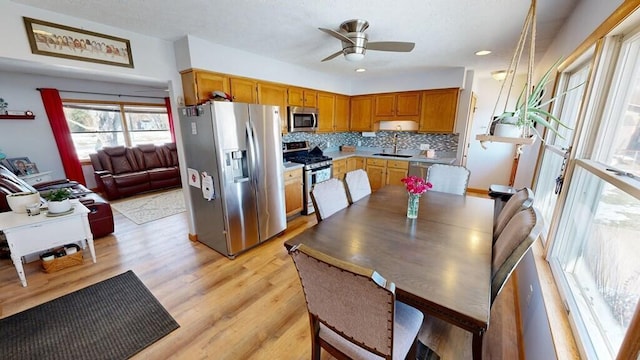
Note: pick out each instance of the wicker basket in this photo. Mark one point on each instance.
(63, 262)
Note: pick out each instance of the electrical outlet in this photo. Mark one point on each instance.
(424, 146)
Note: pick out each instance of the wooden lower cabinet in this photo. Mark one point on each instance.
(293, 192)
(355, 162)
(386, 172)
(339, 168)
(377, 171)
(396, 170)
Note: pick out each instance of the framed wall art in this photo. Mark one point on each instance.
(68, 42)
(19, 165)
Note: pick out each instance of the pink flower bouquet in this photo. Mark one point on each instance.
(416, 185)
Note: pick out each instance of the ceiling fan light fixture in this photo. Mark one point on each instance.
(499, 75)
(354, 56)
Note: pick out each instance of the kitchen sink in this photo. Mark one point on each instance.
(393, 155)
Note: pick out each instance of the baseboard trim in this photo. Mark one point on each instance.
(193, 237)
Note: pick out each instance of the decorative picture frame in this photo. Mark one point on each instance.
(19, 165)
(51, 39)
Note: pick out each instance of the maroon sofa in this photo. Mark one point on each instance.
(125, 171)
(100, 217)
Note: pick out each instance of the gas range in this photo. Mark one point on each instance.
(299, 152)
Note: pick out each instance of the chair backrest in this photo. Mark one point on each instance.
(522, 199)
(355, 302)
(451, 179)
(512, 244)
(358, 185)
(328, 198)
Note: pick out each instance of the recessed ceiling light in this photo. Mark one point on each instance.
(361, 70)
(483, 52)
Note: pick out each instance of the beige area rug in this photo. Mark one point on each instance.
(149, 207)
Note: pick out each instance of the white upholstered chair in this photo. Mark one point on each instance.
(451, 179)
(352, 310)
(358, 185)
(514, 242)
(522, 199)
(328, 198)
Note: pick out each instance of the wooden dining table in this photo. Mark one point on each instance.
(439, 262)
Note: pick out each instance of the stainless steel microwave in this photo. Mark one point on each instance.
(302, 119)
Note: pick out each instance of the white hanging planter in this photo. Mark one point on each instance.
(507, 130)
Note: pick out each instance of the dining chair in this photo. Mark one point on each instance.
(358, 185)
(516, 239)
(451, 179)
(352, 310)
(328, 197)
(522, 199)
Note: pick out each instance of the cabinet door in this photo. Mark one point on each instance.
(295, 96)
(310, 98)
(198, 85)
(361, 111)
(326, 112)
(244, 90)
(272, 94)
(354, 163)
(293, 192)
(408, 104)
(384, 105)
(377, 178)
(341, 118)
(339, 168)
(396, 170)
(439, 109)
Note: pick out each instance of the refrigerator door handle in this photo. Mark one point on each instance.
(253, 157)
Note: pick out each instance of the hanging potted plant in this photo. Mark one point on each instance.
(58, 200)
(528, 112)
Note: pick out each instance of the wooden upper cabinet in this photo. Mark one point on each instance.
(326, 112)
(302, 97)
(341, 119)
(397, 106)
(273, 94)
(439, 110)
(361, 113)
(198, 85)
(244, 90)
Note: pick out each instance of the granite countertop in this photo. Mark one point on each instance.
(440, 158)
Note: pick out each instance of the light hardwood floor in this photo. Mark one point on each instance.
(248, 308)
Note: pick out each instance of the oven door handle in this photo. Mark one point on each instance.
(321, 168)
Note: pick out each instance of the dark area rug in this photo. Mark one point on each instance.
(113, 319)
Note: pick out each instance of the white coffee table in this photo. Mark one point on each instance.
(29, 234)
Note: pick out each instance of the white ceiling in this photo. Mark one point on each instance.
(446, 32)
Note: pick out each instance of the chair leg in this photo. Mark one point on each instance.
(315, 337)
(413, 352)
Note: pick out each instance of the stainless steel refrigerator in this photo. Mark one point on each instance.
(234, 162)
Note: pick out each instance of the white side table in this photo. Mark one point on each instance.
(29, 234)
(33, 179)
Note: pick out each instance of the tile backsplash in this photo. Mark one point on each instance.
(382, 139)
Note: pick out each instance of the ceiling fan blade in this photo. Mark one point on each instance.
(397, 46)
(337, 35)
(332, 55)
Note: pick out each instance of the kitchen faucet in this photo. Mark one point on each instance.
(395, 143)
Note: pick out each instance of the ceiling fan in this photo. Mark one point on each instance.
(355, 42)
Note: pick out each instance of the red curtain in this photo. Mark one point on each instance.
(167, 103)
(53, 107)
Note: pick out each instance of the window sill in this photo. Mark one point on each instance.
(561, 333)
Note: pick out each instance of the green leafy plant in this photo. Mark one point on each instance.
(57, 195)
(535, 107)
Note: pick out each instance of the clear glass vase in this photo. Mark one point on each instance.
(412, 206)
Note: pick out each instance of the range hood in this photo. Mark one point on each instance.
(398, 125)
